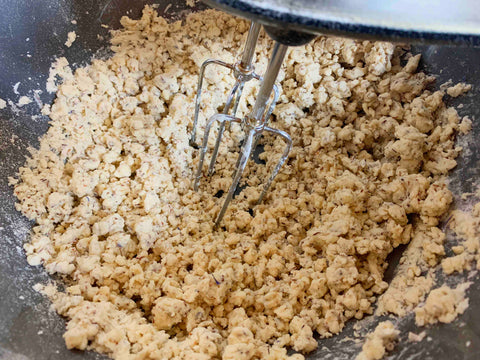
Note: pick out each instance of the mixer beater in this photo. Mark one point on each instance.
(253, 124)
(243, 72)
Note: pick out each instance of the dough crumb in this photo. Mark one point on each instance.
(379, 342)
(59, 69)
(458, 89)
(466, 125)
(442, 305)
(38, 287)
(3, 104)
(409, 286)
(466, 225)
(71, 37)
(413, 337)
(24, 100)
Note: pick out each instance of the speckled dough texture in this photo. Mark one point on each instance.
(381, 340)
(147, 277)
(442, 305)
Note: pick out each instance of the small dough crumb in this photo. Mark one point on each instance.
(71, 37)
(466, 125)
(379, 342)
(24, 100)
(3, 104)
(413, 337)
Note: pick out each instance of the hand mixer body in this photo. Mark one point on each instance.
(440, 21)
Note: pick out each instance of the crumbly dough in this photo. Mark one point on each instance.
(466, 125)
(458, 89)
(59, 69)
(111, 192)
(3, 104)
(381, 340)
(409, 286)
(442, 305)
(24, 100)
(71, 37)
(413, 337)
(466, 226)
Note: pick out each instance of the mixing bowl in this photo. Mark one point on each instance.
(32, 34)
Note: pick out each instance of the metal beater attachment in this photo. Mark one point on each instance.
(254, 124)
(243, 71)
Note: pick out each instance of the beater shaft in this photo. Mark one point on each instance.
(278, 54)
(249, 51)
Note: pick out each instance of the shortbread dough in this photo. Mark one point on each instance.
(71, 37)
(379, 342)
(147, 277)
(442, 305)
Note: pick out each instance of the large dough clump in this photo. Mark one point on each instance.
(147, 277)
(442, 305)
